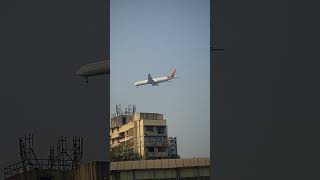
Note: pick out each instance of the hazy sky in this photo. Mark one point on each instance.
(154, 36)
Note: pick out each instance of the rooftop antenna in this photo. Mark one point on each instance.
(133, 109)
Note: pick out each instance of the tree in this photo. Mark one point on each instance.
(124, 152)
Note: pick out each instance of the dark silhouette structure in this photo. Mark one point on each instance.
(94, 69)
(65, 157)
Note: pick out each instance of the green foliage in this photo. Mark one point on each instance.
(124, 152)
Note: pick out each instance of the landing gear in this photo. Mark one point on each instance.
(86, 82)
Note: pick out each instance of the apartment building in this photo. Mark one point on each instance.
(172, 146)
(145, 132)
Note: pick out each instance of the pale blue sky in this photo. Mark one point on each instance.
(154, 36)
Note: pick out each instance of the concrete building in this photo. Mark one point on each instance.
(172, 146)
(145, 132)
(184, 169)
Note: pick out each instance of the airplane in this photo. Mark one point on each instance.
(156, 81)
(94, 69)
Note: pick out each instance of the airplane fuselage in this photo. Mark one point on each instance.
(156, 80)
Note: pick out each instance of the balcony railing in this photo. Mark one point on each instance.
(157, 154)
(114, 135)
(156, 143)
(154, 133)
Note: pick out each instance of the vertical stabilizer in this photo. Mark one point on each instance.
(173, 73)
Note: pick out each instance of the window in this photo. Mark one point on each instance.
(160, 130)
(155, 138)
(158, 116)
(150, 149)
(124, 120)
(149, 128)
(121, 135)
(142, 116)
(149, 116)
(161, 149)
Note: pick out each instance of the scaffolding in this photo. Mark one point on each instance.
(61, 157)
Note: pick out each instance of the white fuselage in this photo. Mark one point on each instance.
(156, 81)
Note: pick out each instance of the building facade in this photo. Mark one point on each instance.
(145, 132)
(166, 169)
(172, 147)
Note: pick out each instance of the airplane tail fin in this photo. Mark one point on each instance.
(173, 73)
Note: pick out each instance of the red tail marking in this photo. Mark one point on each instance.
(173, 73)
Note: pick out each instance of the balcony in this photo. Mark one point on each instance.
(154, 133)
(157, 154)
(114, 135)
(156, 143)
(113, 125)
(152, 122)
(114, 145)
